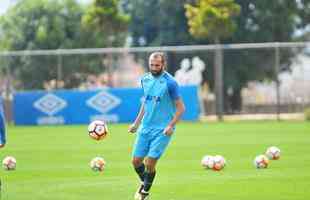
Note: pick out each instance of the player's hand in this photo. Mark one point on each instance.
(168, 130)
(132, 128)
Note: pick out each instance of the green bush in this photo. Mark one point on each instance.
(307, 114)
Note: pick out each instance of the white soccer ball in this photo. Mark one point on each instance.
(9, 163)
(261, 162)
(273, 153)
(97, 130)
(97, 164)
(219, 162)
(207, 162)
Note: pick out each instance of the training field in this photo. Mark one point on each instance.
(53, 163)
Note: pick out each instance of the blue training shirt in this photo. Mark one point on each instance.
(2, 124)
(160, 94)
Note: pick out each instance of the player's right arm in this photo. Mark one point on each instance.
(134, 126)
(2, 126)
(2, 133)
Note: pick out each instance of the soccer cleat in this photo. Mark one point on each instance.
(144, 195)
(138, 192)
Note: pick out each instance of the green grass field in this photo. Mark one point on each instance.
(53, 163)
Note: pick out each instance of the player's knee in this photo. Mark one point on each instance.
(2, 145)
(150, 168)
(150, 165)
(136, 162)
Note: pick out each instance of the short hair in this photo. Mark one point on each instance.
(159, 54)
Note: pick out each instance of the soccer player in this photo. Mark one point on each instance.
(160, 111)
(2, 130)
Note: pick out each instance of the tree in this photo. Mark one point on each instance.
(213, 19)
(46, 24)
(262, 21)
(106, 22)
(158, 23)
(109, 25)
(40, 24)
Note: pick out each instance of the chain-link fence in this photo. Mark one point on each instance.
(233, 79)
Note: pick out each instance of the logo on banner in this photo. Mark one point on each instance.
(104, 102)
(50, 104)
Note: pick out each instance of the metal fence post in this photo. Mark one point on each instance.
(276, 70)
(59, 70)
(218, 64)
(8, 93)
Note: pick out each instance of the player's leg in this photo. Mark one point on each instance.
(140, 150)
(2, 132)
(159, 143)
(139, 166)
(2, 138)
(149, 175)
(140, 169)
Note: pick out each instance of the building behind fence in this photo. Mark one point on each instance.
(256, 78)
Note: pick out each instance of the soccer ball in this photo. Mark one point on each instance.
(9, 163)
(219, 162)
(97, 130)
(207, 162)
(261, 161)
(97, 164)
(273, 153)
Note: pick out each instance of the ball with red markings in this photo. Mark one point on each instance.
(97, 130)
(219, 162)
(97, 164)
(9, 163)
(261, 162)
(273, 153)
(207, 162)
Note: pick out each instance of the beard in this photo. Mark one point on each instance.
(156, 73)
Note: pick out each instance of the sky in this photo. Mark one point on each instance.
(4, 4)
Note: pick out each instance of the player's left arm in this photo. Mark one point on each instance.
(180, 108)
(173, 89)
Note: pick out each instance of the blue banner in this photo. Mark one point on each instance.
(82, 107)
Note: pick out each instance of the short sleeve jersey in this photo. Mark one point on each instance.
(160, 94)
